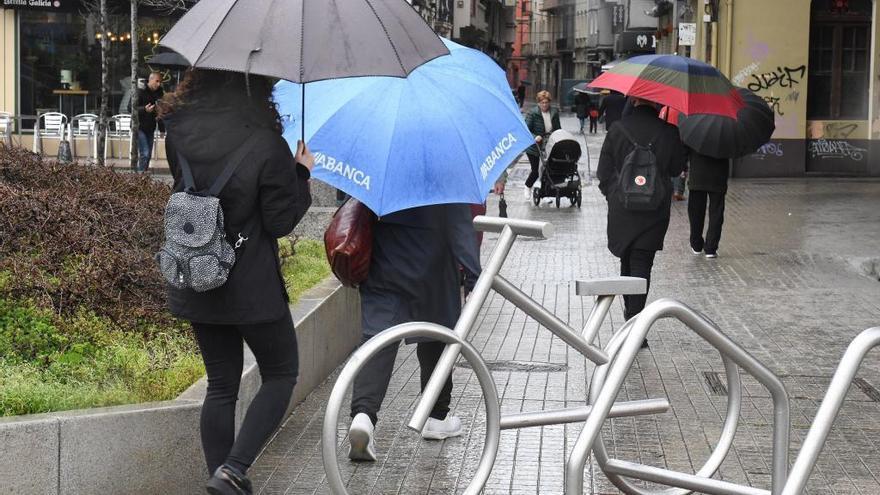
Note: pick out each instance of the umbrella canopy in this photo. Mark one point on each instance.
(444, 134)
(584, 87)
(685, 84)
(724, 137)
(168, 59)
(305, 40)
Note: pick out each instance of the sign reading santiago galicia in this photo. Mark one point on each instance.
(39, 4)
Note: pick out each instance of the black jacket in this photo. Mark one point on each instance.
(612, 108)
(582, 104)
(266, 197)
(147, 120)
(707, 173)
(639, 229)
(414, 273)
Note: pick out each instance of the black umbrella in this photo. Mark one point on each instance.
(171, 60)
(305, 40)
(723, 137)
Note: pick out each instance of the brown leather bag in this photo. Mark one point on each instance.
(348, 241)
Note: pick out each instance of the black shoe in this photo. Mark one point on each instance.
(645, 344)
(229, 481)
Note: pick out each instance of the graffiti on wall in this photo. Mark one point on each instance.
(781, 78)
(840, 129)
(836, 149)
(769, 150)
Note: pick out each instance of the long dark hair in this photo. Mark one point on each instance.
(215, 87)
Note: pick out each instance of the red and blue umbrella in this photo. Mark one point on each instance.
(687, 85)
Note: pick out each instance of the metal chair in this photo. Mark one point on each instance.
(119, 128)
(7, 125)
(53, 127)
(83, 125)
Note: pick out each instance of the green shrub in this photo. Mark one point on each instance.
(304, 265)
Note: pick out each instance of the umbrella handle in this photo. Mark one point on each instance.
(303, 114)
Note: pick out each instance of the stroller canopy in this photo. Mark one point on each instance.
(563, 145)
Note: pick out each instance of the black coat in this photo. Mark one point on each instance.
(414, 269)
(146, 120)
(639, 229)
(535, 123)
(707, 173)
(267, 195)
(612, 108)
(582, 104)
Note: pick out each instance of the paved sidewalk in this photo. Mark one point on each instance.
(795, 281)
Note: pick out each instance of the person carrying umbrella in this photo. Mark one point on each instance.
(635, 236)
(707, 181)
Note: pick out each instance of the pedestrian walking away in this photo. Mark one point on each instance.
(582, 105)
(542, 121)
(414, 276)
(707, 181)
(636, 234)
(594, 117)
(147, 119)
(611, 108)
(210, 116)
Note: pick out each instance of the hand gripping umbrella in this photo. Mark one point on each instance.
(687, 85)
(305, 40)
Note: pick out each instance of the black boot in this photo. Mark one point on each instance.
(229, 481)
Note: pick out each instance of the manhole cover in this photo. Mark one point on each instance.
(520, 366)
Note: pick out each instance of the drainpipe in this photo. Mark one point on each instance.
(728, 49)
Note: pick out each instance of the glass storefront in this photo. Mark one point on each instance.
(62, 50)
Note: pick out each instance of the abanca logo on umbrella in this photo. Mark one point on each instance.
(501, 148)
(344, 169)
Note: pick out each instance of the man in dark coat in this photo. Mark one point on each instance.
(612, 108)
(582, 106)
(708, 182)
(414, 276)
(636, 236)
(147, 98)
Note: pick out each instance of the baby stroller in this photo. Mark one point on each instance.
(559, 169)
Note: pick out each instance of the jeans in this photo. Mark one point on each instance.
(697, 216)
(636, 263)
(582, 124)
(371, 384)
(274, 346)
(145, 150)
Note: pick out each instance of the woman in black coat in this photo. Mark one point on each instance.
(708, 184)
(636, 236)
(414, 276)
(210, 116)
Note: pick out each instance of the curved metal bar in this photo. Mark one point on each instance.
(623, 360)
(725, 440)
(831, 404)
(368, 350)
(528, 228)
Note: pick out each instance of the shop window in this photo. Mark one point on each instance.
(63, 51)
(840, 50)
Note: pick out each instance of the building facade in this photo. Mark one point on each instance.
(817, 64)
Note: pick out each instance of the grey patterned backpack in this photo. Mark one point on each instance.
(196, 254)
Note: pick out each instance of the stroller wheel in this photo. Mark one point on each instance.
(558, 198)
(578, 199)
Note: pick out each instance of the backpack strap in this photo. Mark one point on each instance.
(189, 184)
(236, 160)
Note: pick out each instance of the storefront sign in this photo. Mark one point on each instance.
(687, 34)
(57, 5)
(637, 41)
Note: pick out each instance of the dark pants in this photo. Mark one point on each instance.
(145, 149)
(371, 383)
(535, 162)
(274, 346)
(697, 216)
(594, 125)
(636, 263)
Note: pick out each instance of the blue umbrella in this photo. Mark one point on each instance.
(443, 134)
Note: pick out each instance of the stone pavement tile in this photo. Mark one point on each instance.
(787, 286)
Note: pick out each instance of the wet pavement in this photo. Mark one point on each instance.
(795, 281)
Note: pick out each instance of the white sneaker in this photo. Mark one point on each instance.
(711, 255)
(537, 184)
(696, 252)
(436, 429)
(360, 437)
(528, 193)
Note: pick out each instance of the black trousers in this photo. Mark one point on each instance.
(636, 263)
(534, 161)
(274, 346)
(697, 216)
(371, 384)
(594, 125)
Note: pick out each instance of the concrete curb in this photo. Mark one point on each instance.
(155, 447)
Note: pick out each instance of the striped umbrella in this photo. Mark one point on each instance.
(687, 85)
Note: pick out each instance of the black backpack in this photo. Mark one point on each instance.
(640, 186)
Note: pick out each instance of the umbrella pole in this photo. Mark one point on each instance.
(303, 114)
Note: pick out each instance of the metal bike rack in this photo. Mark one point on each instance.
(614, 363)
